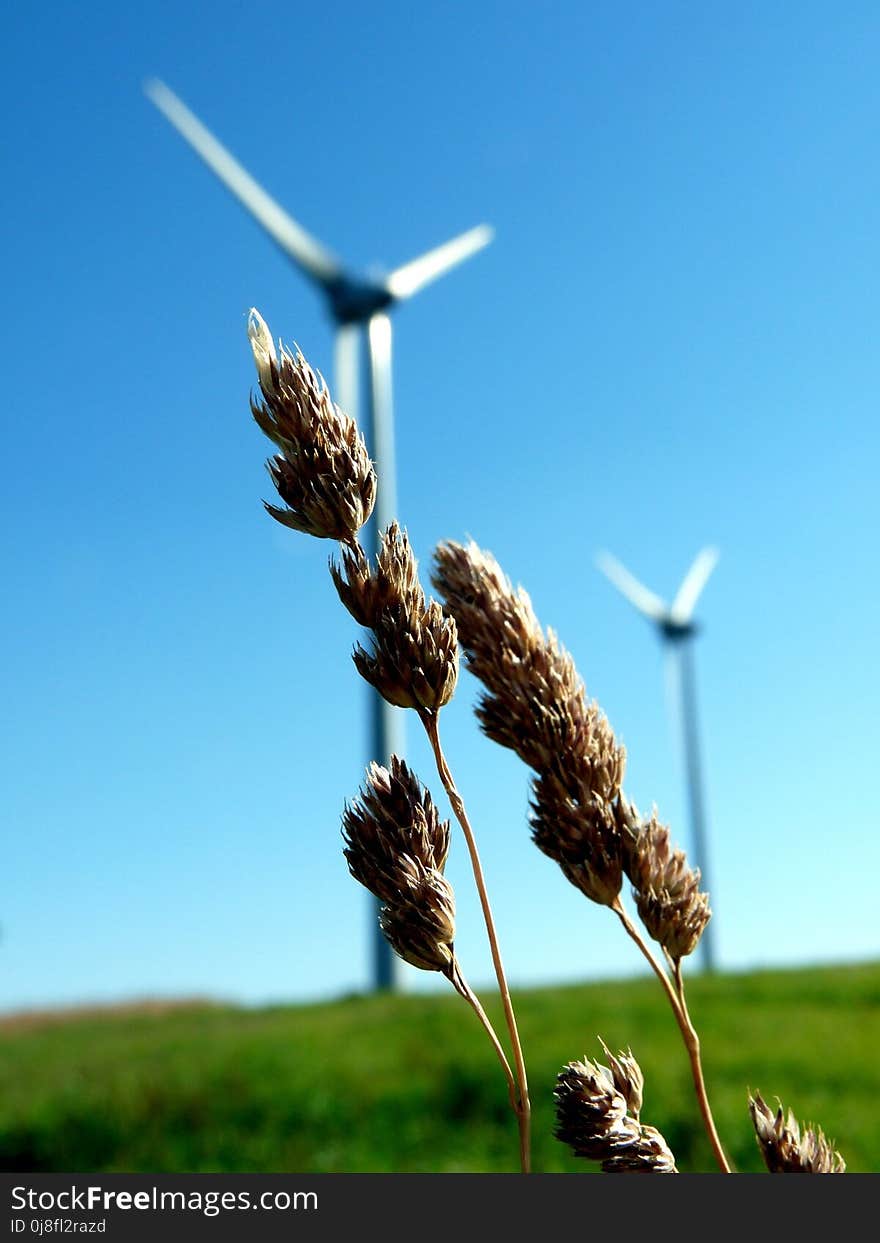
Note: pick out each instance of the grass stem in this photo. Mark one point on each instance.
(521, 1105)
(464, 989)
(675, 994)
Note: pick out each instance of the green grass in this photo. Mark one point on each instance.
(409, 1083)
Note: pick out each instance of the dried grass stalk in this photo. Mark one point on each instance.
(325, 478)
(535, 703)
(597, 1115)
(396, 845)
(788, 1150)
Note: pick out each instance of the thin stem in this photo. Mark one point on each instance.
(464, 990)
(522, 1106)
(664, 979)
(675, 995)
(693, 1042)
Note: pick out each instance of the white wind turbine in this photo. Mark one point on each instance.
(677, 630)
(359, 306)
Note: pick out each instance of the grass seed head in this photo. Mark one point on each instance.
(322, 471)
(595, 1119)
(591, 1114)
(578, 831)
(535, 703)
(413, 662)
(666, 891)
(787, 1150)
(649, 1154)
(394, 819)
(532, 688)
(396, 846)
(368, 591)
(420, 927)
(628, 1078)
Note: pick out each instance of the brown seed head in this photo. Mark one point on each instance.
(593, 1117)
(650, 1154)
(396, 845)
(628, 1078)
(420, 925)
(393, 583)
(414, 659)
(785, 1149)
(666, 891)
(580, 833)
(535, 703)
(323, 472)
(393, 820)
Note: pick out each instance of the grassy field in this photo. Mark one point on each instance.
(409, 1083)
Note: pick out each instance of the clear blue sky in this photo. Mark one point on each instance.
(672, 342)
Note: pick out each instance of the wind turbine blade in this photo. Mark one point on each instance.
(297, 244)
(694, 581)
(413, 276)
(382, 448)
(630, 587)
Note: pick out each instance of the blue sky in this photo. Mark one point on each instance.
(671, 342)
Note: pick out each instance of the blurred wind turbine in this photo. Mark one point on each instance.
(677, 629)
(359, 306)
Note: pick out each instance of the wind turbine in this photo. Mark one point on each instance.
(359, 307)
(677, 630)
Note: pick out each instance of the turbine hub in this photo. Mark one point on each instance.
(677, 632)
(354, 301)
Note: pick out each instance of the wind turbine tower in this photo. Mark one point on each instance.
(359, 306)
(677, 630)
